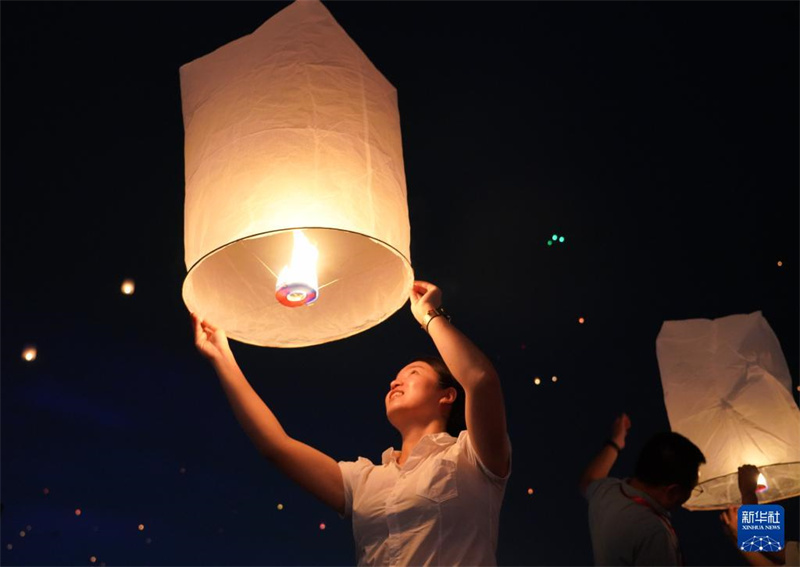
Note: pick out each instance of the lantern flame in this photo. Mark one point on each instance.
(761, 483)
(297, 283)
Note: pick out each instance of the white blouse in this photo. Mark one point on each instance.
(441, 507)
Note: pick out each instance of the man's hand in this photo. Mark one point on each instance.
(748, 483)
(424, 297)
(730, 522)
(619, 430)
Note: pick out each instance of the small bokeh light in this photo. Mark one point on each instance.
(29, 353)
(78, 511)
(554, 378)
(93, 559)
(530, 491)
(128, 287)
(581, 320)
(322, 526)
(537, 380)
(280, 506)
(45, 491)
(141, 527)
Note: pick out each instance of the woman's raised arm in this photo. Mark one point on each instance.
(484, 406)
(313, 470)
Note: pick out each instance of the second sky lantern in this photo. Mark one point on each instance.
(296, 225)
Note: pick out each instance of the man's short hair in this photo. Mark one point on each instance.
(669, 458)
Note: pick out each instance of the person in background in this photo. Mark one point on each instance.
(748, 483)
(629, 519)
(437, 500)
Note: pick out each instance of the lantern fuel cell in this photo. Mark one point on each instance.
(297, 282)
(290, 131)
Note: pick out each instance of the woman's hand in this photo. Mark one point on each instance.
(424, 297)
(210, 341)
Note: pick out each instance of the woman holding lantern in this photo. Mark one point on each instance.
(435, 501)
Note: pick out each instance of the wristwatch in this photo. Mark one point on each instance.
(433, 314)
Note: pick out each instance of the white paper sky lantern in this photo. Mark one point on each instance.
(293, 136)
(727, 388)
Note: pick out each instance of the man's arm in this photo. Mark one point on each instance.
(601, 465)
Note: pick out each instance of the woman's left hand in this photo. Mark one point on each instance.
(424, 297)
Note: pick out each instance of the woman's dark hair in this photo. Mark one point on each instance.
(669, 458)
(456, 422)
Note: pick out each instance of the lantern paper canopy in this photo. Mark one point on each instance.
(727, 388)
(292, 138)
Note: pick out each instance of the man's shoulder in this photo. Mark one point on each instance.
(603, 487)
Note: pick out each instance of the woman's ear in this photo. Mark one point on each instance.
(449, 396)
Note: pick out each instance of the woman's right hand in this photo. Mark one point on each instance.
(211, 341)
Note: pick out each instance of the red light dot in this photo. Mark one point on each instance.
(530, 491)
(141, 527)
(780, 263)
(77, 511)
(322, 526)
(581, 320)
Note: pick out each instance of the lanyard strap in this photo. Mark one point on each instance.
(643, 502)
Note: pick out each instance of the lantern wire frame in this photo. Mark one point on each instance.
(728, 485)
(270, 309)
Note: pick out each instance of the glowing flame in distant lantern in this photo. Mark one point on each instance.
(297, 283)
(29, 354)
(761, 483)
(128, 287)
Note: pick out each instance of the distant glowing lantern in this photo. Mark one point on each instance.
(29, 354)
(537, 380)
(554, 378)
(530, 491)
(93, 559)
(296, 216)
(280, 506)
(141, 527)
(128, 287)
(322, 526)
(77, 511)
(727, 388)
(581, 320)
(780, 263)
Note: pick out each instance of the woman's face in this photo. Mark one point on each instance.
(414, 393)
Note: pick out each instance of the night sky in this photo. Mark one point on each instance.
(659, 138)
